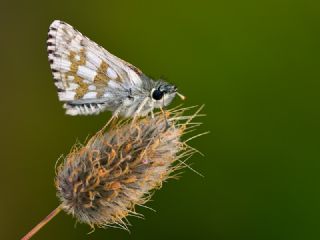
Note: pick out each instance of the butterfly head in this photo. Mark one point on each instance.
(164, 93)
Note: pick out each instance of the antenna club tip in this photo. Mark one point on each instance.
(181, 96)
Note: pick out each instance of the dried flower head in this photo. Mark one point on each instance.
(101, 183)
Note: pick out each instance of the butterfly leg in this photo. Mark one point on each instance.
(151, 112)
(136, 114)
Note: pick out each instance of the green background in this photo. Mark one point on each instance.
(255, 64)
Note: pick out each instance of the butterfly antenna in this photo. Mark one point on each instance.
(181, 96)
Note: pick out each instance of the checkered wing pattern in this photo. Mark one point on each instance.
(83, 71)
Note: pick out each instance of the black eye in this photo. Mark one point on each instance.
(157, 94)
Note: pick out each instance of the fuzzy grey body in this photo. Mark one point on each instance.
(90, 79)
(125, 100)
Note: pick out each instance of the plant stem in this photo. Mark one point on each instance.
(47, 219)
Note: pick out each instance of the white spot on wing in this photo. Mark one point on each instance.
(73, 86)
(113, 84)
(72, 111)
(90, 95)
(62, 65)
(66, 96)
(86, 73)
(93, 58)
(90, 65)
(59, 85)
(56, 75)
(70, 78)
(92, 88)
(111, 73)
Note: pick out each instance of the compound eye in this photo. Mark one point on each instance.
(157, 94)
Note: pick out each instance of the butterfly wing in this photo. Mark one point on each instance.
(83, 71)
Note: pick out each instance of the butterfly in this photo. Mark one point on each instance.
(90, 80)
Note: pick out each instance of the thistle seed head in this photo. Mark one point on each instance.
(101, 183)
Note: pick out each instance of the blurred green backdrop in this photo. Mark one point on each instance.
(255, 64)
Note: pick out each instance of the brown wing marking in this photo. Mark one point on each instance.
(83, 87)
